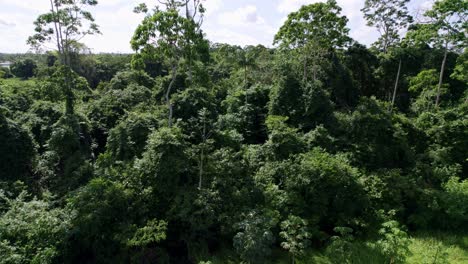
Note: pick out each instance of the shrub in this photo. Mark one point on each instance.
(24, 69)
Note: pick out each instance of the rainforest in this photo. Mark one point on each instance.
(314, 149)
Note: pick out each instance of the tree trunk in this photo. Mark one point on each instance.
(190, 75)
(187, 15)
(305, 70)
(69, 108)
(63, 60)
(396, 86)
(246, 83)
(202, 154)
(60, 39)
(168, 93)
(59, 47)
(441, 76)
(245, 75)
(200, 176)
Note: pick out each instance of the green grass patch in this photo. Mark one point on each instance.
(438, 248)
(12, 86)
(425, 248)
(18, 81)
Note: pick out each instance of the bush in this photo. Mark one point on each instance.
(127, 140)
(296, 235)
(325, 189)
(5, 73)
(17, 151)
(65, 164)
(393, 242)
(24, 69)
(254, 240)
(455, 202)
(102, 225)
(340, 248)
(31, 230)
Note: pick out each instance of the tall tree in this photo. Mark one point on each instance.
(194, 11)
(389, 17)
(246, 58)
(446, 28)
(317, 27)
(64, 25)
(165, 34)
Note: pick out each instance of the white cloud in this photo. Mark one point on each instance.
(288, 6)
(37, 5)
(246, 22)
(241, 26)
(6, 24)
(244, 16)
(232, 37)
(212, 6)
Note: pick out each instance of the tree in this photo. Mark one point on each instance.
(246, 58)
(162, 170)
(254, 240)
(320, 186)
(424, 86)
(32, 230)
(102, 209)
(296, 235)
(315, 28)
(394, 242)
(17, 151)
(389, 17)
(362, 63)
(445, 29)
(195, 13)
(24, 69)
(165, 34)
(205, 133)
(320, 22)
(64, 26)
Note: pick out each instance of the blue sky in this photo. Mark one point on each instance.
(241, 22)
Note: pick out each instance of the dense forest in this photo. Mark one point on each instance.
(317, 149)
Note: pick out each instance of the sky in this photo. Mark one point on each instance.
(239, 22)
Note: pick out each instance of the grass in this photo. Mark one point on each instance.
(425, 248)
(439, 248)
(18, 81)
(16, 85)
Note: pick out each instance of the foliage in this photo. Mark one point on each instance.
(253, 242)
(65, 165)
(446, 27)
(32, 230)
(374, 137)
(24, 69)
(153, 231)
(270, 155)
(66, 21)
(393, 243)
(325, 189)
(102, 226)
(424, 86)
(17, 150)
(128, 138)
(340, 249)
(454, 199)
(389, 17)
(296, 235)
(320, 22)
